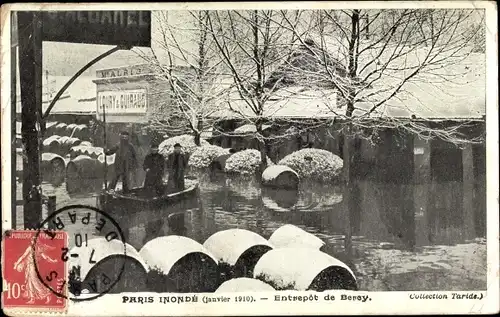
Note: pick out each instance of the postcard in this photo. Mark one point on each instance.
(241, 158)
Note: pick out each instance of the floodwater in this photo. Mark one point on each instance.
(397, 245)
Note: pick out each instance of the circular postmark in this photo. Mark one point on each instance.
(89, 244)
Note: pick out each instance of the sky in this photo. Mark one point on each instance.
(65, 59)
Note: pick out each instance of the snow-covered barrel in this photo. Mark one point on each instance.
(52, 168)
(292, 236)
(280, 176)
(108, 266)
(51, 144)
(237, 251)
(90, 151)
(70, 129)
(68, 143)
(63, 147)
(50, 128)
(86, 143)
(179, 264)
(60, 129)
(94, 151)
(83, 166)
(84, 172)
(76, 151)
(244, 284)
(81, 131)
(304, 269)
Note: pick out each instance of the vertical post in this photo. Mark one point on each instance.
(346, 199)
(30, 66)
(422, 182)
(105, 147)
(51, 208)
(13, 113)
(468, 190)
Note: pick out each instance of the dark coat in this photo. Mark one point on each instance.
(126, 157)
(176, 164)
(155, 162)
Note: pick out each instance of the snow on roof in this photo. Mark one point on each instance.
(457, 91)
(289, 102)
(454, 91)
(80, 97)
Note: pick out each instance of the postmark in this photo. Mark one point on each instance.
(91, 233)
(24, 261)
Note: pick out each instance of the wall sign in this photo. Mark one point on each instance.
(131, 28)
(124, 71)
(122, 102)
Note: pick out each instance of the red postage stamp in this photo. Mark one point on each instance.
(34, 273)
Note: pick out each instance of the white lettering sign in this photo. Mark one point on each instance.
(122, 102)
(124, 71)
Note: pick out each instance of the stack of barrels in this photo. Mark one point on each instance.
(66, 156)
(60, 145)
(80, 131)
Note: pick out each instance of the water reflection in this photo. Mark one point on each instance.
(383, 213)
(380, 217)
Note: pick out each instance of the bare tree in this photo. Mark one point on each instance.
(380, 54)
(253, 44)
(192, 72)
(380, 57)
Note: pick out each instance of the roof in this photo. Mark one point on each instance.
(457, 91)
(452, 92)
(80, 97)
(288, 102)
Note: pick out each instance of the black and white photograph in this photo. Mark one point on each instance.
(332, 151)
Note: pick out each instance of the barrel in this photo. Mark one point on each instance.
(93, 152)
(52, 168)
(289, 235)
(84, 166)
(50, 128)
(62, 140)
(67, 143)
(116, 266)
(179, 264)
(244, 284)
(304, 269)
(81, 131)
(237, 251)
(51, 144)
(70, 129)
(60, 129)
(280, 176)
(76, 151)
(87, 173)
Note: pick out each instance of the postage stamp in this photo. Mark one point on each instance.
(271, 158)
(24, 261)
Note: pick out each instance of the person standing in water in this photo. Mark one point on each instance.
(154, 165)
(125, 161)
(176, 164)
